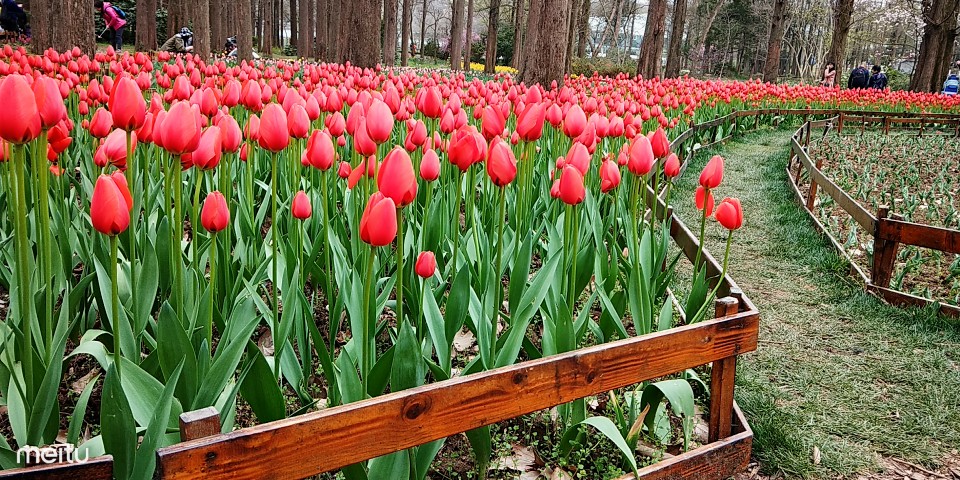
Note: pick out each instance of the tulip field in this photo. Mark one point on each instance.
(871, 168)
(279, 237)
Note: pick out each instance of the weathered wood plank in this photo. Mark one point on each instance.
(199, 423)
(300, 447)
(97, 468)
(925, 236)
(905, 299)
(714, 461)
(859, 214)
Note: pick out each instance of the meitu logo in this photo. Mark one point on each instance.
(59, 453)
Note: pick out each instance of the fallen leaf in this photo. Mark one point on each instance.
(463, 340)
(816, 455)
(523, 459)
(82, 382)
(265, 343)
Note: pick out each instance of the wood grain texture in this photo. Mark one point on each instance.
(905, 299)
(333, 438)
(847, 203)
(926, 236)
(97, 468)
(199, 423)
(713, 461)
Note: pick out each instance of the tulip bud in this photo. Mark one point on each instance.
(215, 215)
(730, 213)
(301, 208)
(378, 224)
(109, 212)
(426, 265)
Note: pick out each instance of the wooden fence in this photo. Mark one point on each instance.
(888, 231)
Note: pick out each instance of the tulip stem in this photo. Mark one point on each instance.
(213, 288)
(366, 350)
(399, 268)
(195, 238)
(496, 266)
(274, 242)
(115, 303)
(328, 294)
(176, 227)
(134, 218)
(44, 214)
(574, 239)
(703, 228)
(456, 221)
(723, 273)
(20, 225)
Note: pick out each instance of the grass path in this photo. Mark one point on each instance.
(837, 370)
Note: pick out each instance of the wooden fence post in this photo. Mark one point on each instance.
(199, 423)
(806, 139)
(886, 125)
(884, 252)
(840, 123)
(722, 377)
(812, 195)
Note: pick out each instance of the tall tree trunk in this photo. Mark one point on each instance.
(771, 68)
(518, 36)
(266, 39)
(423, 27)
(676, 38)
(842, 14)
(936, 15)
(583, 29)
(361, 28)
(946, 51)
(573, 23)
(493, 24)
(545, 48)
(305, 28)
(651, 48)
(176, 17)
(406, 31)
(456, 35)
(389, 32)
(146, 25)
(216, 12)
(245, 32)
(468, 37)
(707, 25)
(200, 20)
(295, 15)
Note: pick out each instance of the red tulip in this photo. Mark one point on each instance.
(49, 102)
(336, 124)
(379, 121)
(121, 181)
(575, 122)
(530, 122)
(101, 124)
(671, 167)
(300, 208)
(215, 215)
(501, 163)
(274, 135)
(19, 118)
(396, 179)
(127, 105)
(426, 265)
(430, 166)
(109, 213)
(298, 122)
(114, 149)
(492, 123)
(180, 129)
(251, 131)
(58, 138)
(320, 152)
(659, 143)
(571, 188)
(429, 102)
(466, 148)
(579, 157)
(609, 176)
(209, 150)
(378, 225)
(712, 174)
(230, 135)
(730, 213)
(416, 135)
(343, 170)
(704, 199)
(641, 158)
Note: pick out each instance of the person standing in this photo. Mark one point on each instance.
(859, 77)
(115, 20)
(952, 85)
(13, 18)
(829, 76)
(878, 81)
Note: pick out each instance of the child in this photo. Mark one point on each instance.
(115, 23)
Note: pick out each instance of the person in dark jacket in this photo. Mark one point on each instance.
(13, 18)
(878, 80)
(859, 77)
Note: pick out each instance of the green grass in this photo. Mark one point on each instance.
(836, 368)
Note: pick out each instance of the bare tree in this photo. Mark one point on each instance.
(545, 48)
(389, 32)
(676, 38)
(406, 30)
(937, 15)
(423, 27)
(583, 29)
(518, 37)
(360, 31)
(200, 20)
(842, 13)
(456, 35)
(468, 48)
(771, 68)
(493, 24)
(245, 32)
(651, 49)
(305, 30)
(146, 25)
